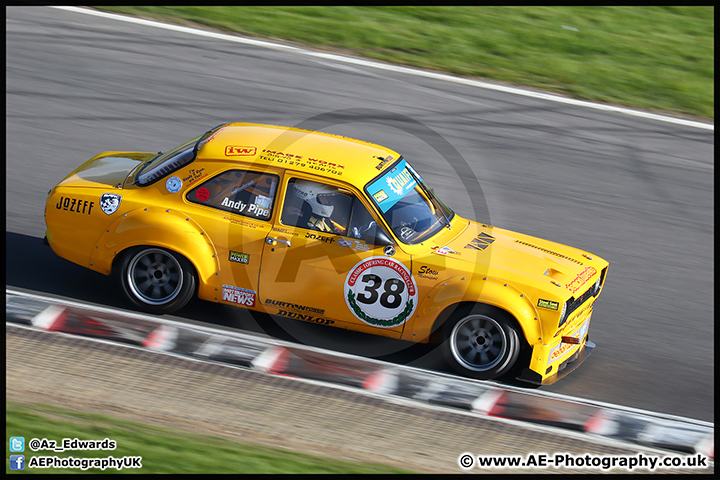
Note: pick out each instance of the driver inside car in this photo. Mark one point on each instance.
(319, 205)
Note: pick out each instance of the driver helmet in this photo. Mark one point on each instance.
(317, 195)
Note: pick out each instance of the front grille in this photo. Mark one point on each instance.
(574, 303)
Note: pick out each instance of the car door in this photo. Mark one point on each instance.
(234, 209)
(326, 260)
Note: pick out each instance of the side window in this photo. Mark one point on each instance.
(324, 208)
(362, 223)
(250, 194)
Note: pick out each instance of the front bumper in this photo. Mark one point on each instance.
(568, 366)
(552, 362)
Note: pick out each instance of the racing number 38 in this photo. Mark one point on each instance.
(380, 291)
(391, 297)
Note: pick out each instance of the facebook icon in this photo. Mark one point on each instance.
(17, 462)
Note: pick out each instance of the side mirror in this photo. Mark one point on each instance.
(378, 237)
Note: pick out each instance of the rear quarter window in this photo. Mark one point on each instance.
(241, 192)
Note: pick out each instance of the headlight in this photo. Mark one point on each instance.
(563, 315)
(598, 284)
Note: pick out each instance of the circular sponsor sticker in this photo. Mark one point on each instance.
(173, 184)
(381, 292)
(202, 194)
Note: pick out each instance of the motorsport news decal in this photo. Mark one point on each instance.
(20, 462)
(381, 292)
(238, 295)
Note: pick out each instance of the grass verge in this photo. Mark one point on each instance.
(658, 58)
(162, 450)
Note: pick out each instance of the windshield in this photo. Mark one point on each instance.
(411, 209)
(173, 160)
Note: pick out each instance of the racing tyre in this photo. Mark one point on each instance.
(157, 280)
(481, 342)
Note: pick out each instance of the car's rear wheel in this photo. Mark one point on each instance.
(481, 342)
(157, 280)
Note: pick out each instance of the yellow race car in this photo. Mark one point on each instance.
(329, 230)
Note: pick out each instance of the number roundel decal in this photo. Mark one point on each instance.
(381, 292)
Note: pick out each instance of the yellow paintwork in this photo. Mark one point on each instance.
(247, 261)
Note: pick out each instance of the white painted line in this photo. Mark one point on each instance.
(485, 403)
(706, 446)
(47, 318)
(163, 338)
(210, 346)
(270, 359)
(384, 381)
(394, 68)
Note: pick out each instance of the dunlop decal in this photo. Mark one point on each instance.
(306, 318)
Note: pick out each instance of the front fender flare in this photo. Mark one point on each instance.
(445, 296)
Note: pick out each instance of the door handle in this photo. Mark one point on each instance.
(273, 241)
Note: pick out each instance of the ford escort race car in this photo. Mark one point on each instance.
(329, 230)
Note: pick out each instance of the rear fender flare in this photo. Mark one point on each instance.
(166, 228)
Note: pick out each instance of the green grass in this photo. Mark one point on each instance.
(654, 58)
(162, 450)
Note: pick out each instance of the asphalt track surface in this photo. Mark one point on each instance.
(636, 191)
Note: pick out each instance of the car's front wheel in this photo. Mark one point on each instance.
(481, 342)
(156, 280)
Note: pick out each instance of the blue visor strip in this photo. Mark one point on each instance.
(391, 187)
